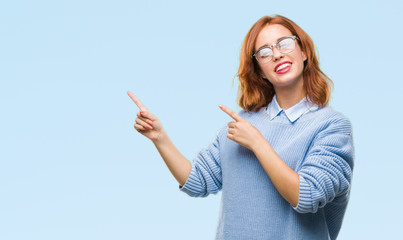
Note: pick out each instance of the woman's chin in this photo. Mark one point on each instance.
(285, 83)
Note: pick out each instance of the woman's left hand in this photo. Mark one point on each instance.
(241, 131)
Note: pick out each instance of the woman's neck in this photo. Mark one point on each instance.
(288, 97)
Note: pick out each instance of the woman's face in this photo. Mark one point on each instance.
(289, 76)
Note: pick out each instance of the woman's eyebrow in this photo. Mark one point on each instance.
(265, 45)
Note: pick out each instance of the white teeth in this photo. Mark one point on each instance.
(283, 66)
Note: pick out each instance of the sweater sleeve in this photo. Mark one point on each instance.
(205, 175)
(326, 171)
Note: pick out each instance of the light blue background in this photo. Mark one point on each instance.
(73, 167)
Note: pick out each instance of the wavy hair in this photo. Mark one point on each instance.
(255, 92)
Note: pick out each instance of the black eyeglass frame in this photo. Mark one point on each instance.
(274, 45)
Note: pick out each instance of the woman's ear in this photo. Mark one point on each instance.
(304, 56)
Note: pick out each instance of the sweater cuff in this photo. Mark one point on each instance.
(304, 199)
(192, 184)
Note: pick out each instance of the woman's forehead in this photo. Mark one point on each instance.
(270, 34)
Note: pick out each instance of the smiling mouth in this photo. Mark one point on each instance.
(282, 66)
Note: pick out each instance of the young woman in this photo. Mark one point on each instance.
(285, 163)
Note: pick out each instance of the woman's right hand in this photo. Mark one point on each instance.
(146, 123)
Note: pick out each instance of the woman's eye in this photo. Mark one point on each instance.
(265, 53)
(285, 43)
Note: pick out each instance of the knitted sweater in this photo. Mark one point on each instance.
(317, 144)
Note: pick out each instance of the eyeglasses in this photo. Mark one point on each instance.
(285, 45)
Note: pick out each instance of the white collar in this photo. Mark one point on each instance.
(292, 113)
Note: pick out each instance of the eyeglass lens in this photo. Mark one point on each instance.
(285, 46)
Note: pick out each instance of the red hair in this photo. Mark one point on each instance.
(255, 92)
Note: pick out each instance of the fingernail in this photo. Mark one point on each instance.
(220, 106)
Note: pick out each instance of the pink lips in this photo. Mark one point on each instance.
(284, 70)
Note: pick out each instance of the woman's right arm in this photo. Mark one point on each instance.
(178, 165)
(149, 126)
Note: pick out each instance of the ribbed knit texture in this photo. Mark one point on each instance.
(318, 146)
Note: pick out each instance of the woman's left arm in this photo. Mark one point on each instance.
(325, 172)
(283, 177)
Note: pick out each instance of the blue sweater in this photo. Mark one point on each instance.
(315, 142)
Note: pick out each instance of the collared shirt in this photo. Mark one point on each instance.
(294, 112)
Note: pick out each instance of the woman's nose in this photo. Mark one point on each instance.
(276, 54)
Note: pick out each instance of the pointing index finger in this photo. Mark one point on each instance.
(136, 101)
(231, 113)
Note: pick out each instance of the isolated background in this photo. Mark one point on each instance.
(73, 167)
